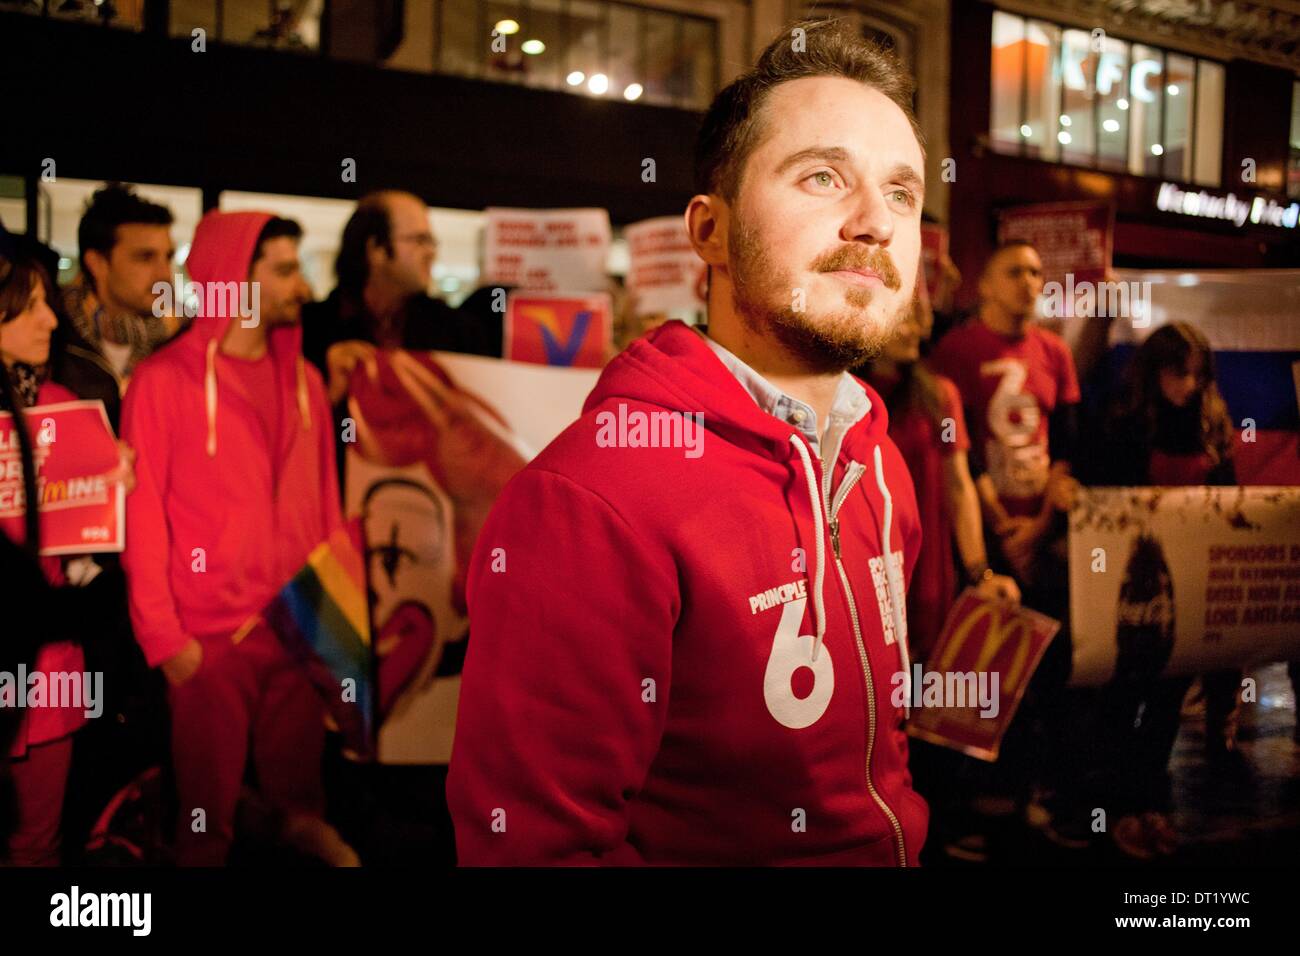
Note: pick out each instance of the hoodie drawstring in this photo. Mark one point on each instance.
(210, 395)
(891, 583)
(819, 572)
(896, 591)
(304, 405)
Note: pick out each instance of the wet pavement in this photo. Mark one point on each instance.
(1245, 812)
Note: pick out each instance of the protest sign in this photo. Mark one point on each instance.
(664, 273)
(576, 331)
(1072, 238)
(547, 249)
(986, 650)
(418, 527)
(1167, 581)
(73, 448)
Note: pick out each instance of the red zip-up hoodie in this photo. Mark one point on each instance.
(220, 519)
(681, 659)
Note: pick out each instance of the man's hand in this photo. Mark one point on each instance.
(124, 473)
(999, 587)
(1061, 490)
(185, 664)
(1020, 538)
(341, 359)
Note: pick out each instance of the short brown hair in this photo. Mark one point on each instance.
(831, 48)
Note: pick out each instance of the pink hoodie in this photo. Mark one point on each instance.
(219, 521)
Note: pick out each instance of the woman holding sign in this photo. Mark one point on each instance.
(42, 616)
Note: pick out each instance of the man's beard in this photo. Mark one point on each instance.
(826, 342)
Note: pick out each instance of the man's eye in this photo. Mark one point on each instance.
(823, 178)
(904, 196)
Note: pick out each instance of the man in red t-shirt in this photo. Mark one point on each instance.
(1021, 393)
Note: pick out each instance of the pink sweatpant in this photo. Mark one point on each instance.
(40, 778)
(245, 695)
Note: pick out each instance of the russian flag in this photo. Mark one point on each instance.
(1252, 321)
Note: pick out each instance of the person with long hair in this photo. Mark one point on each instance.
(45, 620)
(1168, 426)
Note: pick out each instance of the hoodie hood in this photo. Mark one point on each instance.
(671, 367)
(221, 254)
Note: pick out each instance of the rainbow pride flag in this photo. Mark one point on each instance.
(323, 620)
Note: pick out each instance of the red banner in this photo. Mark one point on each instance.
(934, 246)
(73, 449)
(987, 645)
(574, 331)
(1071, 237)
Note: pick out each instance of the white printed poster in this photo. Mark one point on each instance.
(1167, 581)
(664, 274)
(547, 250)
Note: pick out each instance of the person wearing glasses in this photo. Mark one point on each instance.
(384, 267)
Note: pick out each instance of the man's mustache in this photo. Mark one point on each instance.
(855, 257)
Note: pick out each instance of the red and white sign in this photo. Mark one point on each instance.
(1071, 237)
(664, 273)
(547, 249)
(982, 638)
(73, 449)
(575, 331)
(934, 246)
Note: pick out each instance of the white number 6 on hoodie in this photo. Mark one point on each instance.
(790, 651)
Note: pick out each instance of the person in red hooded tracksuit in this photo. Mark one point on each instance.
(688, 642)
(236, 485)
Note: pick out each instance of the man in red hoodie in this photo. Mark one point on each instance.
(686, 613)
(236, 485)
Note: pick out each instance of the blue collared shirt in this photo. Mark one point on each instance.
(849, 406)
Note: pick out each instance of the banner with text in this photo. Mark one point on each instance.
(1071, 237)
(73, 449)
(547, 249)
(664, 274)
(1183, 580)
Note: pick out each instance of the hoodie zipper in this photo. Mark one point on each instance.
(855, 472)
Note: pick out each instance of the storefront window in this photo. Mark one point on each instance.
(1041, 126)
(1207, 157)
(1112, 104)
(1293, 169)
(1075, 128)
(126, 14)
(1146, 83)
(280, 24)
(1180, 94)
(1008, 75)
(1085, 98)
(592, 47)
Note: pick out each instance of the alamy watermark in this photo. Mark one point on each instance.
(222, 300)
(638, 429)
(1119, 300)
(948, 689)
(82, 690)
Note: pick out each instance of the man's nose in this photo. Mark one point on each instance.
(870, 220)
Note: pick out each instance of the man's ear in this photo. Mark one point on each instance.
(97, 266)
(706, 224)
(375, 248)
